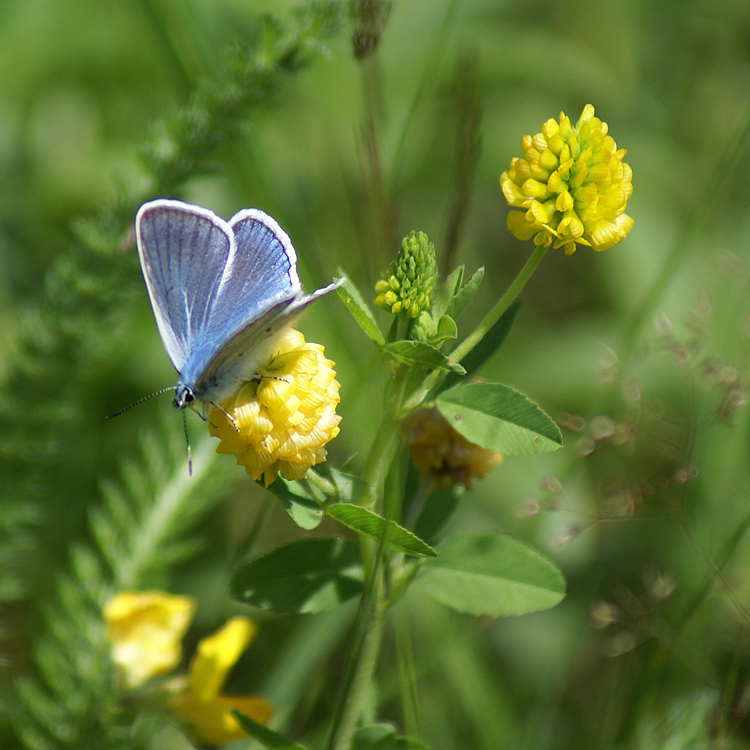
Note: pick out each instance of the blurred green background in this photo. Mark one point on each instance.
(645, 508)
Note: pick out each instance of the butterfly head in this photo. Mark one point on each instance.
(183, 396)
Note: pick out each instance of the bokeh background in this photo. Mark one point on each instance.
(646, 507)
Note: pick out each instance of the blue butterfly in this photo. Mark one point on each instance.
(221, 292)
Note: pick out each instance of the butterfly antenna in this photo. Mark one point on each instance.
(140, 401)
(187, 443)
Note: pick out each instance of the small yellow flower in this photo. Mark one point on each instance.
(284, 417)
(201, 706)
(437, 449)
(573, 185)
(145, 629)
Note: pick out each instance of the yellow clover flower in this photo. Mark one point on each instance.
(201, 706)
(283, 417)
(572, 184)
(437, 449)
(145, 629)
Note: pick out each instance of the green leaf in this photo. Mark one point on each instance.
(492, 340)
(353, 299)
(488, 574)
(267, 737)
(350, 489)
(500, 418)
(464, 295)
(437, 509)
(420, 355)
(383, 737)
(297, 501)
(446, 291)
(487, 346)
(366, 522)
(309, 575)
(447, 328)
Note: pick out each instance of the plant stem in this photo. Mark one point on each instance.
(500, 306)
(371, 629)
(378, 453)
(480, 331)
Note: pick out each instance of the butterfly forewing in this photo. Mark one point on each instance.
(184, 251)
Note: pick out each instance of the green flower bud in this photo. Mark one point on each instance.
(406, 287)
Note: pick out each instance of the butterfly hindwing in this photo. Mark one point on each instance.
(260, 273)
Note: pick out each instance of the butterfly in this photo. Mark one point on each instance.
(221, 292)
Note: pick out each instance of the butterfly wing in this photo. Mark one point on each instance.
(265, 269)
(184, 251)
(260, 273)
(220, 290)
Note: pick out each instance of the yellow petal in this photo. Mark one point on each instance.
(519, 227)
(210, 721)
(145, 629)
(217, 654)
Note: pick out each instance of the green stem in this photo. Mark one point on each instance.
(484, 326)
(378, 453)
(372, 630)
(500, 306)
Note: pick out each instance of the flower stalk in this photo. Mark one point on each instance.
(501, 305)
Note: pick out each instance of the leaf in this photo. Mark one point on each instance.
(383, 737)
(446, 292)
(488, 574)
(297, 502)
(464, 295)
(488, 344)
(352, 298)
(350, 489)
(500, 418)
(267, 737)
(309, 575)
(420, 355)
(436, 511)
(447, 328)
(366, 522)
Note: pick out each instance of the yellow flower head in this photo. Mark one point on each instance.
(437, 449)
(284, 417)
(201, 706)
(572, 184)
(145, 629)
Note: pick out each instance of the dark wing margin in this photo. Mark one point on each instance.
(183, 251)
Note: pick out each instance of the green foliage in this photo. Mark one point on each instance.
(498, 417)
(309, 575)
(300, 503)
(421, 356)
(380, 529)
(383, 737)
(267, 737)
(353, 299)
(495, 576)
(643, 509)
(140, 532)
